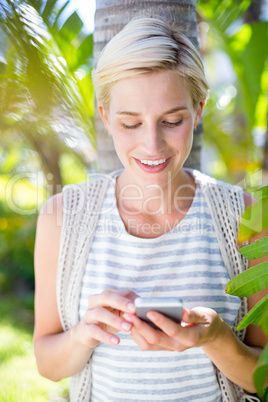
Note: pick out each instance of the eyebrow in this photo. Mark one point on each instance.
(176, 109)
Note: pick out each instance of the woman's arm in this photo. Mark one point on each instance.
(53, 348)
(204, 328)
(62, 354)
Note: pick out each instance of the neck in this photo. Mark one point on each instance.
(176, 194)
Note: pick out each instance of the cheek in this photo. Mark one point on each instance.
(184, 136)
(122, 143)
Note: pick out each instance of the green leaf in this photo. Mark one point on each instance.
(55, 23)
(85, 50)
(265, 322)
(71, 27)
(221, 12)
(265, 395)
(256, 316)
(261, 372)
(255, 250)
(253, 59)
(46, 14)
(254, 220)
(249, 282)
(261, 193)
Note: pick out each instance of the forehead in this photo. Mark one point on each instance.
(148, 91)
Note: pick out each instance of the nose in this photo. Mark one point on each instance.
(153, 140)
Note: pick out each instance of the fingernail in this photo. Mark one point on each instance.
(114, 340)
(153, 316)
(131, 307)
(126, 326)
(127, 317)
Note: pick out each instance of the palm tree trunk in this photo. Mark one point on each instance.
(110, 17)
(50, 160)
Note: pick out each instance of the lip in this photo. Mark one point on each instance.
(153, 169)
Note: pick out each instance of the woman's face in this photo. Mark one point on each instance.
(151, 119)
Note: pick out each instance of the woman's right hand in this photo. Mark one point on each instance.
(103, 318)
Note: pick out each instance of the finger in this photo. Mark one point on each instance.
(150, 335)
(168, 326)
(143, 344)
(197, 315)
(96, 333)
(114, 299)
(140, 340)
(148, 338)
(106, 317)
(176, 337)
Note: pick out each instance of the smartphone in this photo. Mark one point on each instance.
(171, 307)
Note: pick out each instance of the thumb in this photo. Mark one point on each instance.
(197, 315)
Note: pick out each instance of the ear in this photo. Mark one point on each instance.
(199, 111)
(104, 115)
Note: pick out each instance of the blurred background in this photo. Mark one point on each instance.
(47, 137)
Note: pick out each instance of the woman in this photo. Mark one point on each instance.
(151, 229)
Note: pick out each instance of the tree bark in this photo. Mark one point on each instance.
(110, 17)
(50, 160)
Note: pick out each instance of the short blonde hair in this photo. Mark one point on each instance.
(145, 45)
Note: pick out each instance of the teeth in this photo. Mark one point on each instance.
(152, 163)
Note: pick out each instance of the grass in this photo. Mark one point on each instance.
(20, 380)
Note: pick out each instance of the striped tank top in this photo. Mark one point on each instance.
(184, 262)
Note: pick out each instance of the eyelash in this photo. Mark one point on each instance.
(178, 123)
(168, 124)
(130, 127)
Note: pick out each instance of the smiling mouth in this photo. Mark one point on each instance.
(152, 163)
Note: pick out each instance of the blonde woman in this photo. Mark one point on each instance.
(152, 229)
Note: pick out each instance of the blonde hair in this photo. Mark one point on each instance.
(145, 45)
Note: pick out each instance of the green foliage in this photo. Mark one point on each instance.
(46, 121)
(248, 50)
(20, 380)
(46, 94)
(261, 193)
(245, 45)
(261, 372)
(256, 250)
(256, 316)
(255, 220)
(17, 233)
(250, 281)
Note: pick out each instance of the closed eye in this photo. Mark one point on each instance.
(169, 124)
(166, 123)
(132, 127)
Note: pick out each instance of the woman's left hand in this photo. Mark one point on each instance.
(200, 326)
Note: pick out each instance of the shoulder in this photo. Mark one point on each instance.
(52, 210)
(249, 200)
(209, 181)
(217, 190)
(74, 197)
(49, 223)
(96, 183)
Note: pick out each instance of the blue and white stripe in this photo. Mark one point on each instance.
(184, 262)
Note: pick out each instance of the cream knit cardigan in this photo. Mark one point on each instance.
(81, 206)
